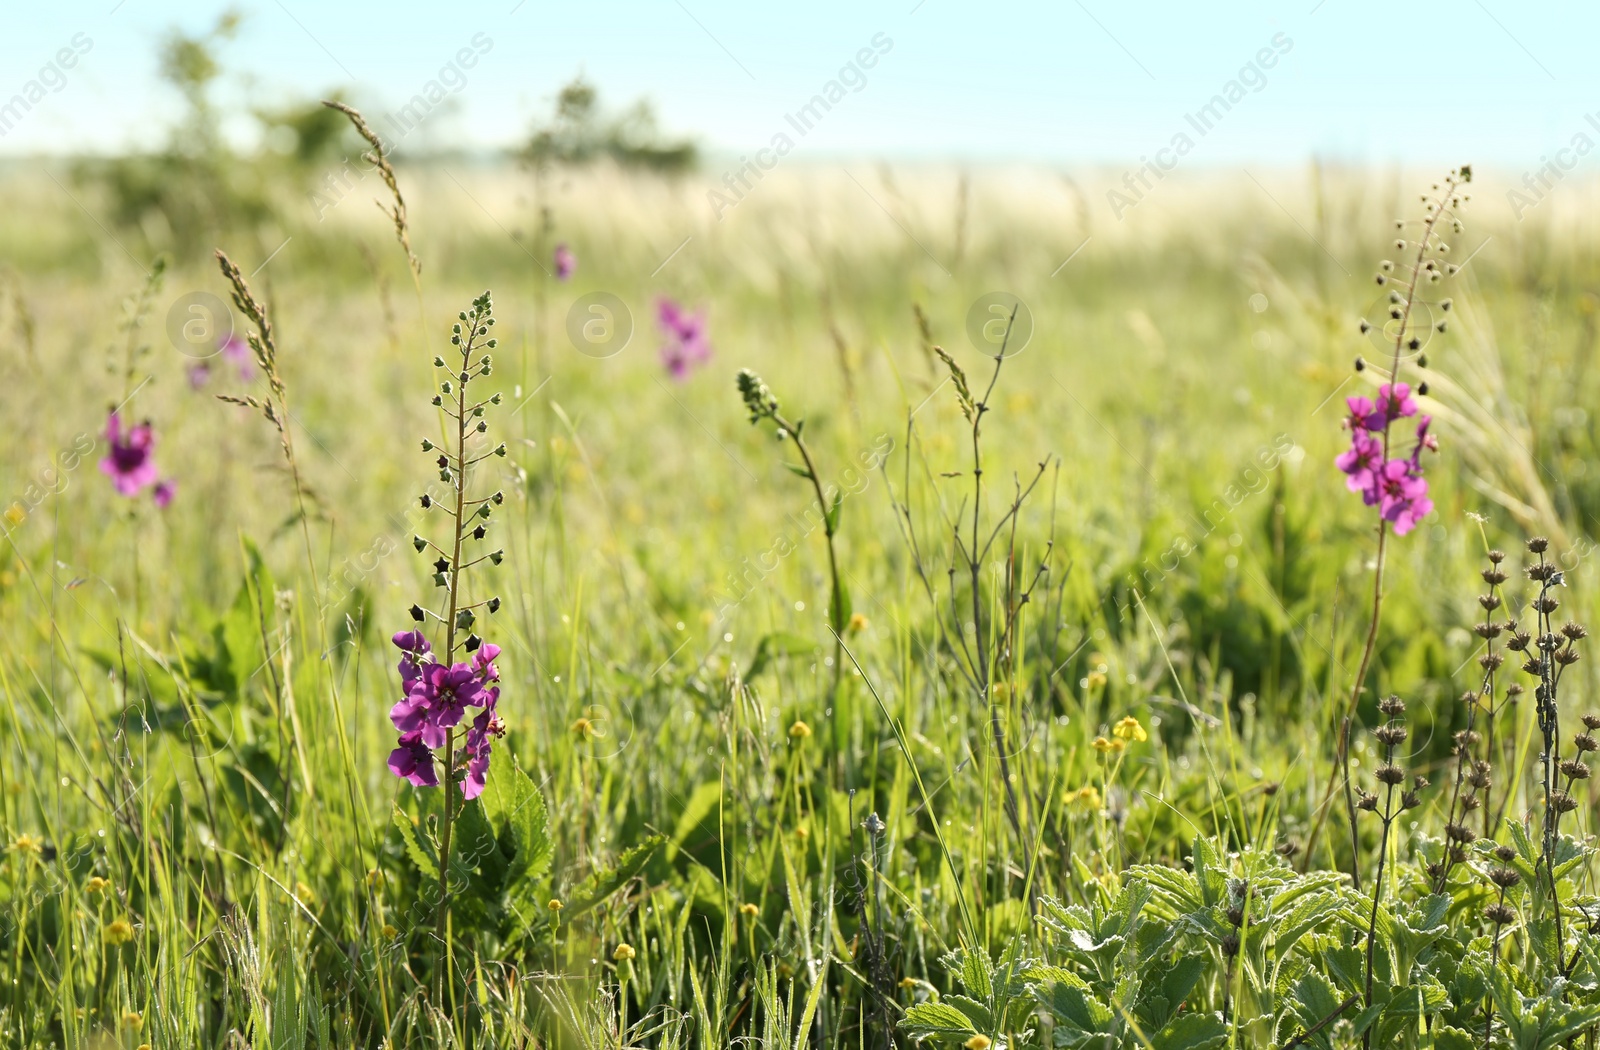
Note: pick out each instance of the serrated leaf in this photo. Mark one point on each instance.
(701, 802)
(1191, 1032)
(426, 862)
(515, 806)
(925, 1019)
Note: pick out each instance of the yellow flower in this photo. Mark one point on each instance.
(119, 931)
(749, 909)
(374, 878)
(908, 983)
(1130, 729)
(1095, 679)
(133, 1020)
(624, 953)
(1102, 745)
(28, 844)
(583, 729)
(144, 1046)
(802, 832)
(16, 514)
(977, 1042)
(304, 892)
(555, 904)
(96, 885)
(858, 623)
(389, 932)
(799, 731)
(1088, 797)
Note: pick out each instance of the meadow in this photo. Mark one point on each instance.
(969, 673)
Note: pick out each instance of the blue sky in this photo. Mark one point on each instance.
(1063, 82)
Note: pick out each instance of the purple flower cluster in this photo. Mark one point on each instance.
(1395, 486)
(687, 345)
(131, 464)
(436, 701)
(233, 350)
(566, 262)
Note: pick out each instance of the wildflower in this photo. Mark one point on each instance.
(199, 375)
(1361, 410)
(486, 728)
(165, 489)
(799, 731)
(413, 761)
(1394, 402)
(977, 1042)
(749, 910)
(16, 514)
(555, 905)
(118, 931)
(96, 885)
(304, 893)
(624, 953)
(129, 464)
(389, 932)
(566, 263)
(1359, 462)
(28, 844)
(686, 343)
(1088, 797)
(133, 1020)
(583, 729)
(1104, 746)
(908, 983)
(858, 623)
(1402, 495)
(1130, 729)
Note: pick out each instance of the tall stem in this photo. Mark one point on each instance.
(442, 920)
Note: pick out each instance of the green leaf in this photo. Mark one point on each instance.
(981, 1017)
(426, 861)
(602, 884)
(1191, 1032)
(840, 608)
(701, 802)
(831, 518)
(514, 805)
(776, 644)
(799, 469)
(925, 1019)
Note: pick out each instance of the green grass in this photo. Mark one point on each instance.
(195, 700)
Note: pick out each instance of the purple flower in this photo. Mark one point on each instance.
(238, 351)
(686, 342)
(1394, 401)
(448, 692)
(1365, 453)
(166, 488)
(483, 662)
(480, 742)
(199, 375)
(1403, 495)
(129, 464)
(413, 761)
(566, 262)
(1361, 410)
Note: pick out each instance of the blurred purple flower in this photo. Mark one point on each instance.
(566, 262)
(686, 343)
(166, 488)
(199, 375)
(129, 463)
(1403, 495)
(238, 351)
